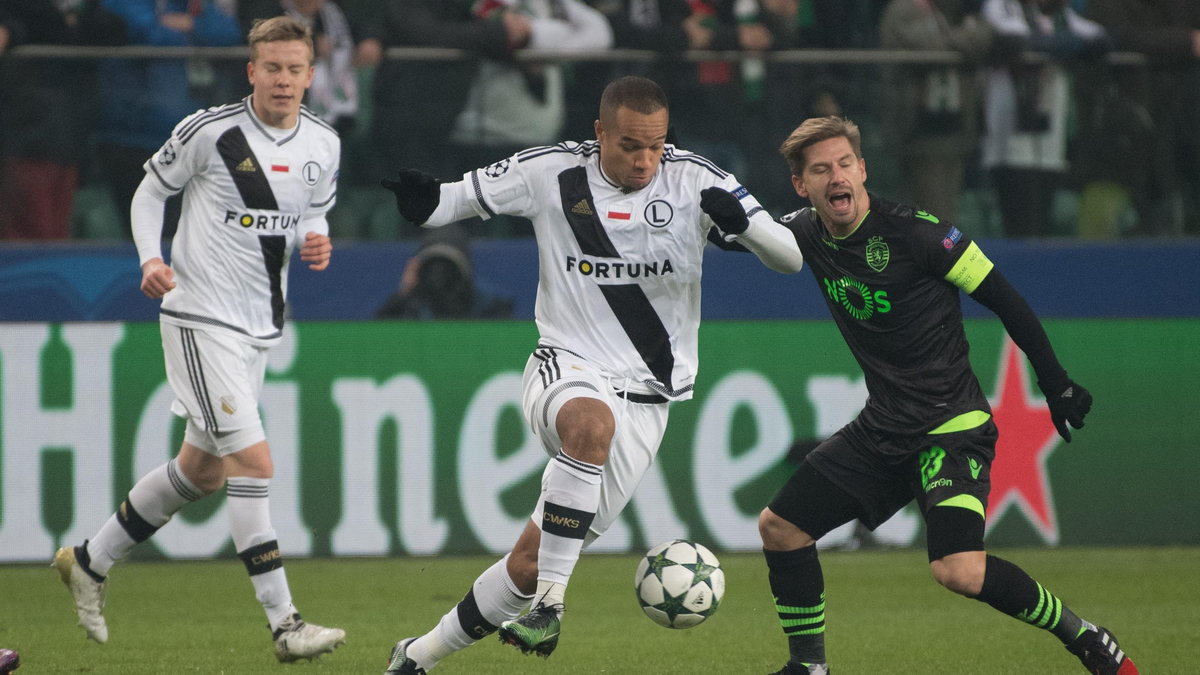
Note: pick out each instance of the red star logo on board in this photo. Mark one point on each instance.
(1027, 437)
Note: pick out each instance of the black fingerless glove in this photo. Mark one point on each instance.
(724, 209)
(417, 194)
(1069, 403)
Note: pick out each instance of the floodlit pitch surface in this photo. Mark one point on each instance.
(885, 614)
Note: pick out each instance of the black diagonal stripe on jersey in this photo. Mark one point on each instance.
(644, 327)
(589, 232)
(273, 247)
(628, 302)
(252, 185)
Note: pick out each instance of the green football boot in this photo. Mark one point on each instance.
(535, 632)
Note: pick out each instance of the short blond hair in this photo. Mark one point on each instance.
(814, 130)
(279, 29)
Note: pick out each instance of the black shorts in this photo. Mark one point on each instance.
(873, 475)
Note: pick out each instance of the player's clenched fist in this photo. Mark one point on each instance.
(157, 278)
(724, 209)
(316, 250)
(417, 194)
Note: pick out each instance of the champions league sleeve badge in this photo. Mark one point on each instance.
(497, 169)
(167, 154)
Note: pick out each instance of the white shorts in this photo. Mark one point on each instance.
(217, 379)
(554, 376)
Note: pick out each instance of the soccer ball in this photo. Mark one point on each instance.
(679, 584)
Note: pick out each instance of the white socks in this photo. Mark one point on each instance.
(570, 497)
(492, 600)
(255, 541)
(154, 499)
(550, 593)
(162, 492)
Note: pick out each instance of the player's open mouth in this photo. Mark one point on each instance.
(840, 201)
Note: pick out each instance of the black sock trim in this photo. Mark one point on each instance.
(471, 620)
(85, 562)
(262, 558)
(565, 521)
(135, 525)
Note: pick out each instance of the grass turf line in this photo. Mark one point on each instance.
(885, 615)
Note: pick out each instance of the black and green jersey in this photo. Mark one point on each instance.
(893, 289)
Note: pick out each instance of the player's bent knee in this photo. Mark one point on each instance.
(208, 477)
(203, 469)
(780, 535)
(586, 428)
(960, 572)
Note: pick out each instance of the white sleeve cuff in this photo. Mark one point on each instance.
(453, 206)
(774, 244)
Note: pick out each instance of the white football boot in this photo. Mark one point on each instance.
(86, 591)
(297, 639)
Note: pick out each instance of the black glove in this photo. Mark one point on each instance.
(1068, 402)
(725, 210)
(417, 194)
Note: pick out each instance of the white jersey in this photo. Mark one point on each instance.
(619, 281)
(248, 187)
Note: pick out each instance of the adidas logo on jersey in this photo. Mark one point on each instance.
(582, 208)
(246, 165)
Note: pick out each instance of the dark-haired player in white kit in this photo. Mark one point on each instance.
(257, 177)
(892, 276)
(621, 224)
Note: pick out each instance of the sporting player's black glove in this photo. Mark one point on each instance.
(725, 210)
(417, 194)
(1068, 402)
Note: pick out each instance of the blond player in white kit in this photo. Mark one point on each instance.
(621, 224)
(257, 177)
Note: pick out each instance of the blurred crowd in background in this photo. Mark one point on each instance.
(1041, 126)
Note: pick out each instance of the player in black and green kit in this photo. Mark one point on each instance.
(891, 276)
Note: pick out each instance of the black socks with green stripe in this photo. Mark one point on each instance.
(799, 589)
(1009, 589)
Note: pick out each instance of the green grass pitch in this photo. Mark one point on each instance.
(884, 615)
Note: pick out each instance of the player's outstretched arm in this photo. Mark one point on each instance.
(417, 194)
(773, 243)
(1069, 402)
